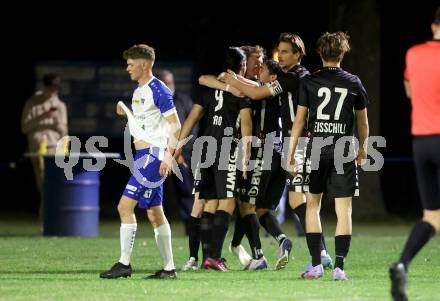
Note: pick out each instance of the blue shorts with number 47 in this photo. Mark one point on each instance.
(146, 184)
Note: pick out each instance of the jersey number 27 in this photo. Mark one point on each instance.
(324, 91)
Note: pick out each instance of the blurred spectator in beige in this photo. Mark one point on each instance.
(44, 121)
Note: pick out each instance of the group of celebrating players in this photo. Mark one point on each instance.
(267, 124)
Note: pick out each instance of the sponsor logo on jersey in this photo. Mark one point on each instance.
(297, 180)
(231, 175)
(253, 191)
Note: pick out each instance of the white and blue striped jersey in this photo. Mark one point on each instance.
(151, 103)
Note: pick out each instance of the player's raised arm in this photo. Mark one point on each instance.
(211, 81)
(252, 91)
(240, 78)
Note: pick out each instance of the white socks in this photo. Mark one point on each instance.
(163, 241)
(127, 235)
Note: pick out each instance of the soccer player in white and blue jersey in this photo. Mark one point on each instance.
(154, 112)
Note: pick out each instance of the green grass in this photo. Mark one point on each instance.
(37, 268)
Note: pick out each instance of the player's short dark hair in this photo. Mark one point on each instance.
(234, 58)
(273, 67)
(295, 41)
(249, 50)
(52, 80)
(437, 16)
(332, 46)
(140, 51)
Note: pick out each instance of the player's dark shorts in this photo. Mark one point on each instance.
(197, 175)
(301, 180)
(326, 179)
(146, 184)
(264, 184)
(218, 182)
(427, 162)
(196, 183)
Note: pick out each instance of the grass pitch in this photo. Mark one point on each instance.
(38, 268)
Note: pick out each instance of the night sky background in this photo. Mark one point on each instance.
(78, 32)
